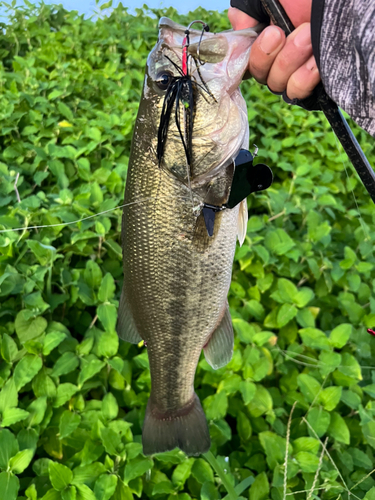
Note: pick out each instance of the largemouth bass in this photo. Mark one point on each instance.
(177, 276)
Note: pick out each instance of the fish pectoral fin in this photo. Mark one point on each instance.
(126, 328)
(219, 348)
(242, 222)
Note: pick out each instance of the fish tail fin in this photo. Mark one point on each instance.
(186, 429)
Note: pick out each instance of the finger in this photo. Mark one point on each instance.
(264, 51)
(239, 20)
(304, 80)
(295, 53)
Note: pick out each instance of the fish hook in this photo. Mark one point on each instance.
(186, 43)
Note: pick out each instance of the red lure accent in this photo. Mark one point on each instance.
(371, 332)
(184, 56)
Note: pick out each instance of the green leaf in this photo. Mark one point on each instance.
(109, 406)
(45, 254)
(64, 393)
(244, 428)
(274, 446)
(319, 420)
(29, 328)
(360, 459)
(351, 399)
(137, 467)
(12, 416)
(330, 397)
(21, 461)
(261, 402)
(340, 335)
(107, 288)
(8, 395)
(309, 444)
(308, 462)
(110, 441)
(88, 474)
(84, 492)
(256, 309)
(278, 241)
(89, 369)
(51, 341)
(9, 486)
(59, 475)
(202, 471)
(286, 313)
(370, 495)
(26, 370)
(303, 297)
(338, 429)
(309, 386)
(244, 331)
(108, 344)
(52, 494)
(8, 447)
(209, 492)
(107, 313)
(70, 493)
(182, 472)
(105, 486)
(248, 390)
(68, 423)
(215, 406)
(9, 348)
(93, 275)
(123, 492)
(287, 290)
(65, 364)
(350, 366)
(260, 488)
(314, 338)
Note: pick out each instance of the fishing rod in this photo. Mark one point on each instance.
(332, 112)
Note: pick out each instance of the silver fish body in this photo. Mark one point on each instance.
(176, 277)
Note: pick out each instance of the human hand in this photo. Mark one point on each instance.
(283, 63)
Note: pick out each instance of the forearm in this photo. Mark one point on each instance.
(343, 39)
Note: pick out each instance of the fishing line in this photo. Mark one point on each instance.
(63, 224)
(366, 234)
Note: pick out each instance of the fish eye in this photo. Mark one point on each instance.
(163, 79)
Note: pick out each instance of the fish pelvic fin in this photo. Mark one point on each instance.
(242, 222)
(185, 428)
(126, 328)
(219, 349)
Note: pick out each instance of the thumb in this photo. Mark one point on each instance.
(239, 20)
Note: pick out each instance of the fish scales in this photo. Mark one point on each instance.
(176, 277)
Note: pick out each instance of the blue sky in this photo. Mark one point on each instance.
(88, 6)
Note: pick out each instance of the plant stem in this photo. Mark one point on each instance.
(220, 472)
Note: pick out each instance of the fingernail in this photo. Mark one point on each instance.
(270, 40)
(303, 37)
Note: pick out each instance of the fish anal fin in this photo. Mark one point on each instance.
(126, 328)
(185, 428)
(219, 348)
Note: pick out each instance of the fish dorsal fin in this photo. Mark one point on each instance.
(126, 328)
(219, 348)
(242, 222)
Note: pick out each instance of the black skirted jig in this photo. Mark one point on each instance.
(180, 91)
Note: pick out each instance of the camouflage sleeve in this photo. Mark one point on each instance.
(343, 38)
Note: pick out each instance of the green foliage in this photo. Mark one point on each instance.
(72, 397)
